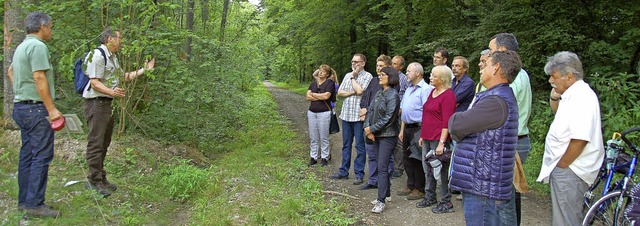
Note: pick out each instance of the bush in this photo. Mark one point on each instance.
(184, 181)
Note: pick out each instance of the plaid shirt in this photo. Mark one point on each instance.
(351, 105)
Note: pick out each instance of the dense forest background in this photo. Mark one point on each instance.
(209, 52)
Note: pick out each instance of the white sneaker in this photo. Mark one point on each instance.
(387, 199)
(378, 208)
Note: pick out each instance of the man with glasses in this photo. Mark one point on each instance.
(353, 86)
(104, 73)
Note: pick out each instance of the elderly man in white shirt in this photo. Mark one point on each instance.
(573, 148)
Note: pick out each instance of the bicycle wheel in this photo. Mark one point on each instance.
(606, 211)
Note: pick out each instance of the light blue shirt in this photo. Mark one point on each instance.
(413, 100)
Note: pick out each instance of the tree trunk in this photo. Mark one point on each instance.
(205, 14)
(223, 22)
(14, 34)
(190, 12)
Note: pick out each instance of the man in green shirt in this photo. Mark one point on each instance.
(31, 73)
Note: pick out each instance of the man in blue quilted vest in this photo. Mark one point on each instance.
(487, 135)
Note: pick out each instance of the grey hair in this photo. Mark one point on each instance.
(566, 63)
(418, 67)
(510, 63)
(506, 40)
(485, 52)
(108, 33)
(35, 20)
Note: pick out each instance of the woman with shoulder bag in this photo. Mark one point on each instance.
(320, 93)
(381, 126)
(435, 140)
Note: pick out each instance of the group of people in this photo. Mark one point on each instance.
(459, 136)
(31, 74)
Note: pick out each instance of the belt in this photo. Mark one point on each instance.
(523, 136)
(412, 125)
(30, 102)
(100, 98)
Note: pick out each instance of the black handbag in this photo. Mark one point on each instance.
(333, 125)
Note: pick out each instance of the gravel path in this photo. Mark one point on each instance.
(536, 209)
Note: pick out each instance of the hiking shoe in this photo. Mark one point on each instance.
(396, 174)
(98, 187)
(378, 207)
(367, 186)
(415, 195)
(324, 162)
(42, 212)
(386, 200)
(404, 192)
(337, 176)
(312, 162)
(426, 203)
(443, 207)
(358, 181)
(109, 185)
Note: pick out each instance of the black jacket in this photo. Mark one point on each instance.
(382, 116)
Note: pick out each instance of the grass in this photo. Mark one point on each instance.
(261, 181)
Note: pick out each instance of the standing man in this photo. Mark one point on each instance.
(440, 57)
(102, 88)
(522, 90)
(462, 85)
(398, 63)
(367, 98)
(351, 89)
(411, 116)
(573, 150)
(483, 161)
(32, 76)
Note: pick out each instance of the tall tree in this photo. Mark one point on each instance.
(190, 17)
(223, 21)
(14, 33)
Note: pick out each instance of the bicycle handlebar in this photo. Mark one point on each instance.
(633, 146)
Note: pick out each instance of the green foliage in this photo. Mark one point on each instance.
(184, 181)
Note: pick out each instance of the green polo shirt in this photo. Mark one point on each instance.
(522, 90)
(30, 56)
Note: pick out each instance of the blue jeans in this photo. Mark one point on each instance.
(480, 210)
(349, 131)
(384, 147)
(35, 154)
(372, 157)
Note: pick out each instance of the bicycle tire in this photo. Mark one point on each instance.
(606, 212)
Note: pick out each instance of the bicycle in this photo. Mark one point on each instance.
(608, 209)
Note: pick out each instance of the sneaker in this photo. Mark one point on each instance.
(404, 192)
(426, 203)
(386, 200)
(109, 185)
(358, 181)
(378, 207)
(337, 176)
(312, 162)
(415, 195)
(443, 207)
(396, 174)
(367, 186)
(459, 197)
(42, 212)
(98, 187)
(324, 162)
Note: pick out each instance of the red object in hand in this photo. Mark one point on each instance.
(57, 124)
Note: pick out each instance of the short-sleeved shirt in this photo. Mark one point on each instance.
(351, 105)
(30, 56)
(322, 105)
(436, 114)
(413, 101)
(522, 90)
(108, 74)
(577, 117)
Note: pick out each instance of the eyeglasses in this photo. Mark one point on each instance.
(356, 61)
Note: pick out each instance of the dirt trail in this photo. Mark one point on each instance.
(536, 209)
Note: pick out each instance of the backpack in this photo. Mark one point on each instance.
(80, 78)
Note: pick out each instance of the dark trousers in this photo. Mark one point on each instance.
(36, 153)
(413, 167)
(372, 161)
(100, 121)
(384, 147)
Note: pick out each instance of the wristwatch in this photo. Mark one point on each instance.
(555, 99)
